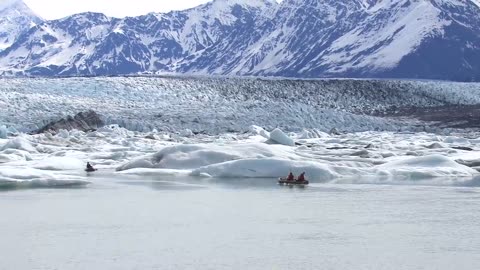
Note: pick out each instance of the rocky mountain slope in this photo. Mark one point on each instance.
(428, 39)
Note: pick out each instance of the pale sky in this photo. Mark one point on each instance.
(55, 9)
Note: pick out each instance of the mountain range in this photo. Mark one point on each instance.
(418, 39)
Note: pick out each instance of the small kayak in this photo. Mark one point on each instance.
(283, 181)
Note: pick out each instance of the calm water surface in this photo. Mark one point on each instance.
(239, 224)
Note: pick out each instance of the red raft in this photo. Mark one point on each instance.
(284, 181)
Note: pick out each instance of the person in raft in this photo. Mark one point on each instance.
(291, 177)
(90, 167)
(301, 177)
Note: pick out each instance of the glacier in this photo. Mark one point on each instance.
(219, 105)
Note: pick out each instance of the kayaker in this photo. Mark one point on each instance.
(291, 177)
(89, 167)
(301, 177)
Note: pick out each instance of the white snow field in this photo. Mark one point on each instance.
(354, 158)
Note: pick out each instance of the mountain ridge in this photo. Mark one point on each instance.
(434, 39)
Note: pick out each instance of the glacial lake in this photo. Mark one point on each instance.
(191, 223)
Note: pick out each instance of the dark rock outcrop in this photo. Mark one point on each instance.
(84, 121)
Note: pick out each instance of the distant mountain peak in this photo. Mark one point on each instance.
(254, 3)
(15, 19)
(227, 5)
(17, 6)
(5, 4)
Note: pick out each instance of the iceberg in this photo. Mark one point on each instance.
(3, 132)
(278, 136)
(425, 167)
(11, 177)
(19, 143)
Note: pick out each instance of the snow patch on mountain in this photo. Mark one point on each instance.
(15, 19)
(8, 3)
(384, 46)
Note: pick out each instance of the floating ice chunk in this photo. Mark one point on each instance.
(10, 155)
(23, 174)
(259, 131)
(4, 158)
(95, 134)
(435, 145)
(387, 154)
(425, 167)
(3, 132)
(334, 131)
(155, 172)
(138, 163)
(20, 144)
(12, 130)
(205, 175)
(195, 156)
(268, 168)
(111, 156)
(306, 135)
(321, 134)
(457, 140)
(63, 134)
(151, 136)
(362, 153)
(59, 164)
(108, 129)
(182, 157)
(33, 178)
(116, 130)
(280, 137)
(187, 133)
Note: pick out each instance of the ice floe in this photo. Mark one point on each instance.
(3, 132)
(368, 157)
(425, 167)
(278, 136)
(19, 143)
(15, 177)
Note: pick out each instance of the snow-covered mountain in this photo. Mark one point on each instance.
(15, 19)
(360, 38)
(435, 39)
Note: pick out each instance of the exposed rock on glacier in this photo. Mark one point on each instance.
(84, 121)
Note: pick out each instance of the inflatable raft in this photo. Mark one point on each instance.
(284, 181)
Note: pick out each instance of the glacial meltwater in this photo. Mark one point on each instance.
(190, 223)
